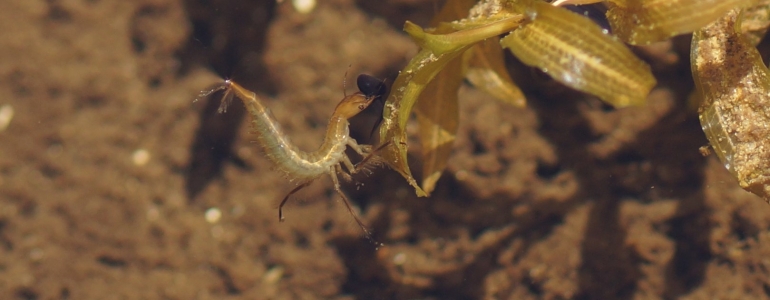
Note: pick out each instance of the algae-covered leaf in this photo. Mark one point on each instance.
(482, 14)
(755, 21)
(735, 114)
(576, 52)
(641, 22)
(438, 117)
(485, 69)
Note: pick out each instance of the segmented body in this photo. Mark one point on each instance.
(293, 162)
(290, 160)
(329, 157)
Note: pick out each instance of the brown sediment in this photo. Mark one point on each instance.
(563, 199)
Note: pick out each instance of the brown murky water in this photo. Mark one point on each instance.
(108, 170)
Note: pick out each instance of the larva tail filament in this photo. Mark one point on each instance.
(227, 98)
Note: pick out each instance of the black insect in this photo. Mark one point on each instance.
(371, 86)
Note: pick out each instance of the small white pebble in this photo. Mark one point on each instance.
(273, 275)
(140, 157)
(36, 254)
(153, 213)
(399, 259)
(303, 6)
(6, 114)
(213, 215)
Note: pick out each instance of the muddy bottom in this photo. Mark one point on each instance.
(114, 184)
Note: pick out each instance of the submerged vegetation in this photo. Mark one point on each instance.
(468, 39)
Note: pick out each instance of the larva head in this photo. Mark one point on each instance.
(353, 104)
(370, 89)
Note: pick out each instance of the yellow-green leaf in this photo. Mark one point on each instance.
(406, 89)
(438, 50)
(438, 117)
(641, 22)
(576, 52)
(437, 108)
(443, 43)
(574, 2)
(485, 69)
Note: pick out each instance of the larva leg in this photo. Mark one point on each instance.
(333, 173)
(296, 189)
(363, 150)
(361, 165)
(348, 164)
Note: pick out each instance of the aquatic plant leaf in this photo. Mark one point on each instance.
(437, 107)
(438, 117)
(483, 13)
(574, 2)
(576, 52)
(443, 43)
(640, 22)
(406, 89)
(735, 112)
(437, 51)
(485, 69)
(755, 21)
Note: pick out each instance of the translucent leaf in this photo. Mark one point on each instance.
(437, 108)
(438, 117)
(574, 2)
(576, 52)
(437, 51)
(735, 113)
(641, 22)
(485, 69)
(442, 43)
(406, 89)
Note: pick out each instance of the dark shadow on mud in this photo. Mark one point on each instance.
(610, 269)
(228, 37)
(438, 218)
(690, 229)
